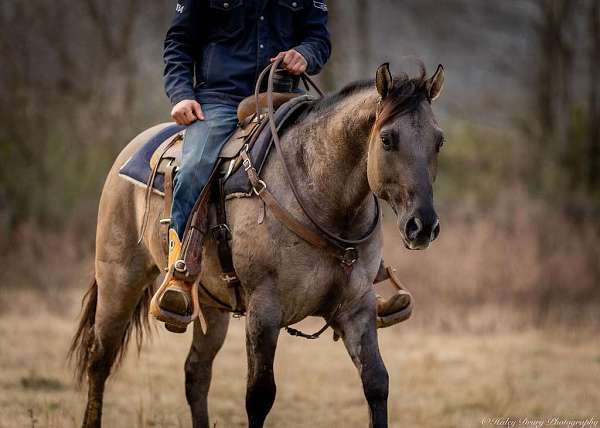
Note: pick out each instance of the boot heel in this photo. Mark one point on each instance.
(176, 301)
(175, 328)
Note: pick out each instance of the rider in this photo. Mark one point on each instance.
(213, 53)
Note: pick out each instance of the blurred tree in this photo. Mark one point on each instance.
(67, 88)
(555, 73)
(567, 157)
(593, 155)
(363, 37)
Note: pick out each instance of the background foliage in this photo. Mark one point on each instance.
(518, 190)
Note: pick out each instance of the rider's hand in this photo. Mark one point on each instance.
(186, 112)
(293, 61)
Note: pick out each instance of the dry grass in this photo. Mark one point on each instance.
(517, 263)
(437, 380)
(505, 324)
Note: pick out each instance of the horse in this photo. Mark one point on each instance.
(373, 137)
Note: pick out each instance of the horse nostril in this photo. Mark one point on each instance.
(412, 228)
(436, 231)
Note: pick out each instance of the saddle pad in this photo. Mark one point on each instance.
(238, 184)
(137, 167)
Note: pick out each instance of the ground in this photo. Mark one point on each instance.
(436, 380)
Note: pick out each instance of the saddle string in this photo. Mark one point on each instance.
(150, 185)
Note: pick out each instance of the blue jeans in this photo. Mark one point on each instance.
(202, 144)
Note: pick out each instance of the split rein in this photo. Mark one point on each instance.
(341, 248)
(345, 250)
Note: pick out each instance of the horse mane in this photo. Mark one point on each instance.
(324, 104)
(406, 95)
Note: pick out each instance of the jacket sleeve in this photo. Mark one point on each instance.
(315, 46)
(179, 50)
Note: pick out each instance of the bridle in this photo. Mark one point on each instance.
(342, 248)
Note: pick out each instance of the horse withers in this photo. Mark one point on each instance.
(372, 137)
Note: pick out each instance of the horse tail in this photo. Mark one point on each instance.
(80, 350)
(83, 340)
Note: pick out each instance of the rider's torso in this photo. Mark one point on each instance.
(238, 39)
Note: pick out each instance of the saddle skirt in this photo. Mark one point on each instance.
(162, 151)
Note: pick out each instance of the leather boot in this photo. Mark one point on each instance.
(172, 303)
(398, 307)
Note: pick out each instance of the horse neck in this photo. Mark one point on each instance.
(331, 164)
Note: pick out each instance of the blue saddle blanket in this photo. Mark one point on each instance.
(137, 168)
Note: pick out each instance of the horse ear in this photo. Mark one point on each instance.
(384, 80)
(435, 83)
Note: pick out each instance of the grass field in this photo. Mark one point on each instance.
(437, 380)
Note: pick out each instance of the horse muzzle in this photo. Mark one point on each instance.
(420, 231)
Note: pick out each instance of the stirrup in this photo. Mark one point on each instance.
(399, 316)
(175, 323)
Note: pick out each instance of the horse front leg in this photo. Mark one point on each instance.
(198, 365)
(359, 332)
(262, 331)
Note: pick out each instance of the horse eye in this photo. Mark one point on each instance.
(386, 142)
(440, 144)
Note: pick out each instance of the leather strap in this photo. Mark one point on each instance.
(333, 238)
(165, 221)
(195, 229)
(222, 235)
(342, 248)
(280, 213)
(347, 256)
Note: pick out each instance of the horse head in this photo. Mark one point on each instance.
(403, 149)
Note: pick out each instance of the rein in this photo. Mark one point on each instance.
(342, 248)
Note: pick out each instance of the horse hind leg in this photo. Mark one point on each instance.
(198, 365)
(117, 302)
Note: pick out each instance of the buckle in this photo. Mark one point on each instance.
(229, 278)
(263, 185)
(221, 230)
(247, 164)
(180, 266)
(349, 257)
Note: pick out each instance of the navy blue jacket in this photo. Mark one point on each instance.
(215, 49)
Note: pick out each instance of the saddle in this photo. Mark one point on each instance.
(251, 130)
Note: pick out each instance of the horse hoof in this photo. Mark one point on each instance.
(175, 328)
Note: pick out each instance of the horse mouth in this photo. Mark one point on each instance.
(414, 246)
(419, 239)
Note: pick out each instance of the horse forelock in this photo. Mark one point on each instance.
(406, 95)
